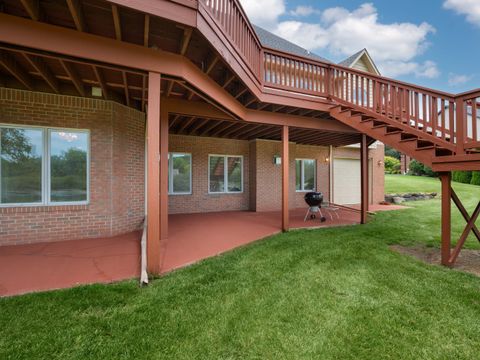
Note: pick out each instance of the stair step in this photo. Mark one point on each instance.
(429, 147)
(377, 124)
(367, 119)
(440, 151)
(408, 139)
(424, 144)
(393, 130)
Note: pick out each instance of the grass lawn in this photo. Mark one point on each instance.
(311, 294)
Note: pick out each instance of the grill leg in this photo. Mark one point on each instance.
(306, 215)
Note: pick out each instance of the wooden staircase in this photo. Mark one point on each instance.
(424, 145)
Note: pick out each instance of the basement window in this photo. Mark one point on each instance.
(43, 166)
(305, 170)
(225, 174)
(179, 174)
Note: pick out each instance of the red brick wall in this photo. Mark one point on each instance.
(269, 176)
(116, 168)
(200, 200)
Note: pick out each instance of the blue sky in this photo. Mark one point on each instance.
(433, 43)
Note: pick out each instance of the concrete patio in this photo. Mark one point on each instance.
(40, 267)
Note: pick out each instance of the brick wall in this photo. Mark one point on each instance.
(200, 200)
(116, 168)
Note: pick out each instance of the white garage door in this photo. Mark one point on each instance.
(346, 181)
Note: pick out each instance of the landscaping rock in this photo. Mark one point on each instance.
(400, 198)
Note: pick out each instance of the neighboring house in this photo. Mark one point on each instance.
(111, 110)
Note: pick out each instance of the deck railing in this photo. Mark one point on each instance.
(448, 118)
(230, 17)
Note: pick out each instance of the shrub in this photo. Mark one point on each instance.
(392, 165)
(392, 152)
(475, 178)
(418, 169)
(464, 177)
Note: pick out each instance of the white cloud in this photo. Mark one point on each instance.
(469, 8)
(427, 69)
(341, 32)
(264, 13)
(457, 80)
(304, 11)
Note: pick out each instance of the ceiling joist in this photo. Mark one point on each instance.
(41, 67)
(76, 11)
(15, 70)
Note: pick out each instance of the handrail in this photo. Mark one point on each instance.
(441, 115)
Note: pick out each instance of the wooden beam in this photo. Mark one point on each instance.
(228, 81)
(187, 35)
(364, 179)
(212, 64)
(41, 67)
(285, 178)
(76, 11)
(101, 81)
(186, 124)
(251, 101)
(197, 126)
(146, 30)
(446, 179)
(32, 7)
(170, 87)
(116, 23)
(163, 174)
(125, 84)
(73, 76)
(144, 81)
(174, 121)
(217, 129)
(153, 170)
(13, 67)
(243, 91)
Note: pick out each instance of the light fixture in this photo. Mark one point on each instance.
(277, 160)
(96, 91)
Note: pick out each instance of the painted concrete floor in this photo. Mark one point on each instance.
(192, 237)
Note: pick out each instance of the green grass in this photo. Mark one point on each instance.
(311, 294)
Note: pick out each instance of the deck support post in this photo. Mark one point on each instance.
(285, 178)
(153, 170)
(364, 179)
(163, 173)
(446, 179)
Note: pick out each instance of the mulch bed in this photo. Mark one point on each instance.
(468, 260)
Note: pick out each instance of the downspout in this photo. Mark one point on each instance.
(330, 174)
(143, 242)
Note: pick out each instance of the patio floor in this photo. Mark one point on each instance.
(192, 237)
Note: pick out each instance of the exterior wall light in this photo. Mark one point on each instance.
(277, 160)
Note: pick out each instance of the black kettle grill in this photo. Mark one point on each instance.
(314, 201)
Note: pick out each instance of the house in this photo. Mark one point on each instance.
(111, 110)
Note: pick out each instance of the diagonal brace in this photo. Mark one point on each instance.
(464, 213)
(466, 232)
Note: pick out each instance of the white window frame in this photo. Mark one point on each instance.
(302, 175)
(170, 174)
(225, 174)
(46, 178)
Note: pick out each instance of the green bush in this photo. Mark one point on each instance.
(392, 165)
(475, 178)
(418, 169)
(464, 177)
(392, 152)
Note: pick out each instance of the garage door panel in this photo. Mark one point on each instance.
(346, 181)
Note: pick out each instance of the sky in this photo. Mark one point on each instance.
(433, 43)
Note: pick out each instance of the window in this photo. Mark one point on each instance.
(225, 174)
(305, 174)
(40, 166)
(179, 173)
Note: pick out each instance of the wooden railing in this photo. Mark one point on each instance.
(287, 72)
(231, 18)
(436, 115)
(468, 105)
(424, 110)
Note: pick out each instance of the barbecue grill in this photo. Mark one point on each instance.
(314, 201)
